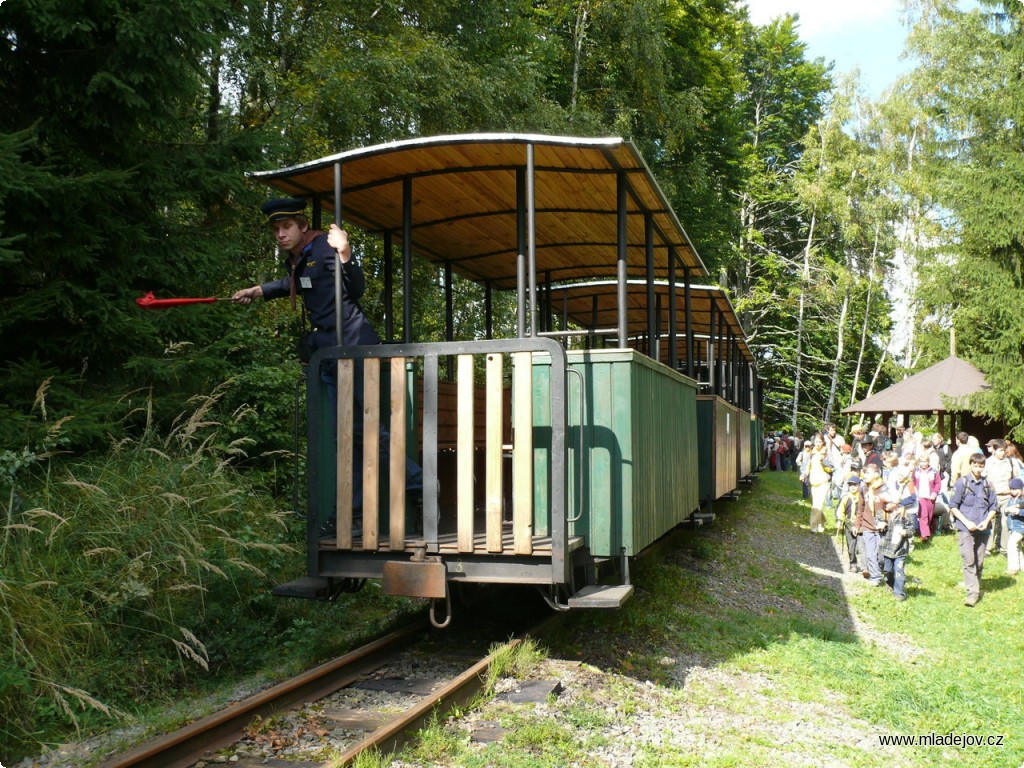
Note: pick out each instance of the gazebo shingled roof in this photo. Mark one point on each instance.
(924, 392)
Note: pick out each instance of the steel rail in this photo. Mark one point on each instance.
(391, 736)
(187, 745)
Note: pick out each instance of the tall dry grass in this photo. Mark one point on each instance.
(109, 564)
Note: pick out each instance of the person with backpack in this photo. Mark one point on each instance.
(999, 470)
(846, 520)
(1013, 511)
(973, 507)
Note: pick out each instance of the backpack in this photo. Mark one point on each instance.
(986, 487)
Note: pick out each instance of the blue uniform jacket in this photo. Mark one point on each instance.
(974, 498)
(317, 263)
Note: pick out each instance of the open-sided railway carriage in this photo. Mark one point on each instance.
(710, 346)
(541, 464)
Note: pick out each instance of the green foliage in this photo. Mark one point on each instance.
(111, 186)
(109, 566)
(967, 94)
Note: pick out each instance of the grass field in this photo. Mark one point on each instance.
(747, 646)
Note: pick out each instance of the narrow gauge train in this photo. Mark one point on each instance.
(710, 346)
(547, 457)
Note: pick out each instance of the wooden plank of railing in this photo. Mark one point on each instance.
(522, 453)
(464, 453)
(343, 496)
(371, 452)
(493, 485)
(396, 531)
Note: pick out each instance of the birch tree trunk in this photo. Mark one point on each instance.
(867, 316)
(579, 33)
(805, 278)
(839, 356)
(878, 370)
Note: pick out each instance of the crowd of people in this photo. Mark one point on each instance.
(885, 493)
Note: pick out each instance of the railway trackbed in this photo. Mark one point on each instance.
(374, 697)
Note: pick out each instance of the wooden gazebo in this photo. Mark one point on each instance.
(941, 390)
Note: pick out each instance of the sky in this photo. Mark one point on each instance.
(866, 33)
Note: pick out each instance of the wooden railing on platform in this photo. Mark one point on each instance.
(508, 425)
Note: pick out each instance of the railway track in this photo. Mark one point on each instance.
(374, 697)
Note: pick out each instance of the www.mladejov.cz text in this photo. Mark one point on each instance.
(950, 739)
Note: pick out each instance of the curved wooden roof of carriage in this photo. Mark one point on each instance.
(464, 203)
(594, 304)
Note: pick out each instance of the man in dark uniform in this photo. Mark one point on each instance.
(312, 256)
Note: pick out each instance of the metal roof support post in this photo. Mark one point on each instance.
(734, 369)
(547, 305)
(723, 357)
(727, 365)
(338, 286)
(690, 350)
(652, 329)
(620, 188)
(673, 356)
(741, 386)
(593, 322)
(751, 390)
(531, 234)
(741, 383)
(488, 310)
(520, 253)
(712, 365)
(389, 286)
(407, 260)
(744, 378)
(449, 320)
(565, 310)
(656, 344)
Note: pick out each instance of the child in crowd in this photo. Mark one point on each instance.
(895, 546)
(926, 483)
(1013, 510)
(846, 520)
(802, 465)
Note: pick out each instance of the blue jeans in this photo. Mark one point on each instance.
(895, 574)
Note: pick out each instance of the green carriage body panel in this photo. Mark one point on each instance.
(639, 449)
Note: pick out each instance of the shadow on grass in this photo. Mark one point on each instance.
(752, 580)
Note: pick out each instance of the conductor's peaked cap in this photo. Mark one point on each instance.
(283, 208)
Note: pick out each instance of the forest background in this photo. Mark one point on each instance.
(127, 130)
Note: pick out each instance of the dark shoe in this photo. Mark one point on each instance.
(329, 527)
(414, 513)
